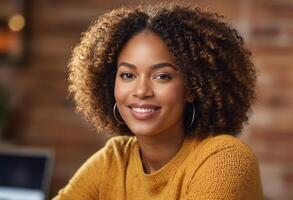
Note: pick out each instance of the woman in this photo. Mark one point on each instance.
(178, 84)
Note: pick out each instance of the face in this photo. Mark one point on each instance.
(149, 91)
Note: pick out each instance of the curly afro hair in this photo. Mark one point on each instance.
(213, 59)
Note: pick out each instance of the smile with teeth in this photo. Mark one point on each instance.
(144, 113)
(143, 110)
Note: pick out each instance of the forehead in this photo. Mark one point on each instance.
(145, 47)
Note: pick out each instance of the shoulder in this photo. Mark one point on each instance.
(226, 165)
(214, 144)
(120, 142)
(114, 151)
(119, 145)
(226, 150)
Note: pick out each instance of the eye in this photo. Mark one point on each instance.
(164, 76)
(126, 75)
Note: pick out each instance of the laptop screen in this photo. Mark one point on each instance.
(24, 173)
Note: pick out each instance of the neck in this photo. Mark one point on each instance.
(157, 151)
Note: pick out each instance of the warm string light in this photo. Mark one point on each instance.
(16, 22)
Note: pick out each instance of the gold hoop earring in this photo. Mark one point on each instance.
(193, 116)
(114, 112)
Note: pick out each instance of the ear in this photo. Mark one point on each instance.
(189, 96)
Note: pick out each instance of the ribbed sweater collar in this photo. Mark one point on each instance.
(160, 176)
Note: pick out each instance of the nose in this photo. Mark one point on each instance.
(143, 88)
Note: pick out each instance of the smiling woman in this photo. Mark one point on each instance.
(178, 83)
(145, 97)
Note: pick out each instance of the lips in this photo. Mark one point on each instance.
(143, 111)
(144, 106)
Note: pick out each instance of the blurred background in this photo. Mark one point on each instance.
(37, 36)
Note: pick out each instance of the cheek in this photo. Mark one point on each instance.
(173, 94)
(120, 91)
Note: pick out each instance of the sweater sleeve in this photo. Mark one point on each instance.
(84, 185)
(230, 173)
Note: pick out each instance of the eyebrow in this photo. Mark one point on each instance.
(155, 66)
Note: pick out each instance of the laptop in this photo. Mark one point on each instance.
(25, 173)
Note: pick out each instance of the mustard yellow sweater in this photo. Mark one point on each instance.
(220, 167)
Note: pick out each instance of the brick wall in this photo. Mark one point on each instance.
(271, 129)
(44, 117)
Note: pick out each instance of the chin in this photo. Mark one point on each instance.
(140, 130)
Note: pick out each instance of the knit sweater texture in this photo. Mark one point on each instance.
(218, 167)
